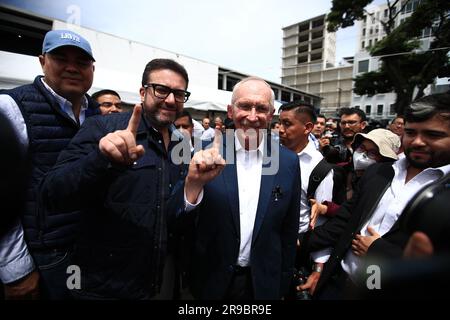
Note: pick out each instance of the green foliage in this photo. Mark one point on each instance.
(344, 13)
(403, 67)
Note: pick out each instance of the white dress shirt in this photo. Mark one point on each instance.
(208, 134)
(309, 157)
(249, 170)
(391, 205)
(15, 259)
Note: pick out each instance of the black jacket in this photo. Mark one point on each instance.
(339, 231)
(124, 230)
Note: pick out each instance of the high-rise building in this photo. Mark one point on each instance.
(308, 64)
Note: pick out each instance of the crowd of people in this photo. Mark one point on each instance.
(149, 204)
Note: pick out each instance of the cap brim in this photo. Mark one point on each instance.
(49, 50)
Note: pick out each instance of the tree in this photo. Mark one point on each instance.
(404, 68)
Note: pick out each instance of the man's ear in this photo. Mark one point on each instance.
(363, 124)
(42, 61)
(230, 111)
(142, 93)
(308, 127)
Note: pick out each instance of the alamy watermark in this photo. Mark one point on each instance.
(374, 279)
(74, 279)
(182, 153)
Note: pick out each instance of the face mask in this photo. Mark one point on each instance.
(361, 161)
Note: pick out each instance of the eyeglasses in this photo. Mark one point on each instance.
(162, 92)
(350, 123)
(259, 108)
(372, 154)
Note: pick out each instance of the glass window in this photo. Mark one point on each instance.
(285, 96)
(392, 109)
(379, 109)
(363, 66)
(368, 109)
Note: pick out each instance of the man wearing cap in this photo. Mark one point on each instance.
(379, 145)
(46, 114)
(368, 225)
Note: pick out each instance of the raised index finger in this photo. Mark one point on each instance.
(217, 143)
(133, 124)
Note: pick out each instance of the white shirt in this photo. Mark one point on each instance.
(208, 134)
(309, 157)
(15, 259)
(314, 140)
(392, 204)
(249, 169)
(66, 105)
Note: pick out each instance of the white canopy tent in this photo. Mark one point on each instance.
(206, 99)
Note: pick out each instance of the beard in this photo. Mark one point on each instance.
(435, 160)
(158, 120)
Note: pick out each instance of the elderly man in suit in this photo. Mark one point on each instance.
(246, 210)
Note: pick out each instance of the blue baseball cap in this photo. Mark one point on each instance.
(59, 38)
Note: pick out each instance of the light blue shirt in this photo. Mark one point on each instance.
(15, 259)
(314, 140)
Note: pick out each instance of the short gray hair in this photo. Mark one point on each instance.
(272, 94)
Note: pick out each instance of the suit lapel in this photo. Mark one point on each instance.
(265, 191)
(229, 175)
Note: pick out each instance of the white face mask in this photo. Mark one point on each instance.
(361, 161)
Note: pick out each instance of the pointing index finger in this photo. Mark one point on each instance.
(135, 119)
(217, 143)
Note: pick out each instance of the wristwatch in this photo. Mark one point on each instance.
(317, 268)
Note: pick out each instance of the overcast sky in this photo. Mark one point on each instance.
(243, 35)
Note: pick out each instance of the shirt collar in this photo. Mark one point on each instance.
(402, 165)
(308, 150)
(239, 147)
(63, 102)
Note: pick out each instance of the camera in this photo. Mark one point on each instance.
(300, 277)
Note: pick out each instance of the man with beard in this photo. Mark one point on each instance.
(118, 170)
(369, 223)
(352, 122)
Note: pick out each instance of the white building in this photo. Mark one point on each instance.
(119, 64)
(308, 64)
(371, 31)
